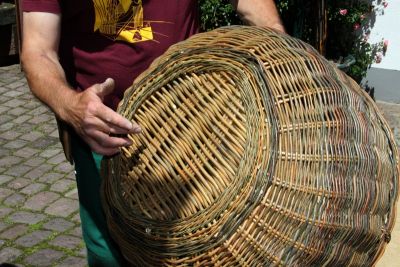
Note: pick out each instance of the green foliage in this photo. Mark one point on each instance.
(348, 26)
(217, 13)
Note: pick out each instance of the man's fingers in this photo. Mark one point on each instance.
(105, 88)
(102, 143)
(118, 123)
(108, 128)
(103, 129)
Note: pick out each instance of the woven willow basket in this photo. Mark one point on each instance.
(255, 151)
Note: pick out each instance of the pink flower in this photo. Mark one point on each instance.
(385, 4)
(343, 12)
(356, 26)
(362, 17)
(378, 57)
(385, 44)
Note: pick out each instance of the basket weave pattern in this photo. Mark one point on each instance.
(255, 151)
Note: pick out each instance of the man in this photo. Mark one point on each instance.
(80, 55)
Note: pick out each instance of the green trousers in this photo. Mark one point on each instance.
(101, 249)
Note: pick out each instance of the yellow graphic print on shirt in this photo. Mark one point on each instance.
(122, 20)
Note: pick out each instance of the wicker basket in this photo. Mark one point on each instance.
(255, 151)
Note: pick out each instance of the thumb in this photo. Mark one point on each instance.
(105, 88)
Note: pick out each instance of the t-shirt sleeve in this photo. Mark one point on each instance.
(50, 6)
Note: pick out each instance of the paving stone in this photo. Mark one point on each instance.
(10, 161)
(58, 224)
(76, 218)
(9, 135)
(27, 96)
(9, 254)
(3, 226)
(15, 144)
(50, 177)
(13, 103)
(25, 89)
(24, 128)
(39, 171)
(4, 211)
(77, 231)
(13, 71)
(26, 217)
(13, 93)
(73, 194)
(18, 170)
(73, 262)
(33, 188)
(33, 238)
(4, 99)
(31, 105)
(9, 78)
(18, 183)
(14, 231)
(31, 136)
(7, 126)
(19, 111)
(82, 252)
(15, 200)
(66, 241)
(34, 162)
(3, 109)
(26, 152)
(44, 142)
(64, 167)
(57, 159)
(44, 257)
(4, 192)
(4, 152)
(38, 110)
(47, 129)
(5, 118)
(54, 133)
(62, 207)
(40, 119)
(62, 185)
(5, 178)
(71, 175)
(41, 200)
(49, 153)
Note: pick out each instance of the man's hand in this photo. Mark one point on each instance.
(98, 125)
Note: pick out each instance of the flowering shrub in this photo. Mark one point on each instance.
(348, 26)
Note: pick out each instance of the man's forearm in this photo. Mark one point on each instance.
(47, 81)
(259, 13)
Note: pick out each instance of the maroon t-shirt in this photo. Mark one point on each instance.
(116, 38)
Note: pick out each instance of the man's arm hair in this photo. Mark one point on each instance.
(259, 13)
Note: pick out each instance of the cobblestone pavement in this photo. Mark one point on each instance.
(39, 220)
